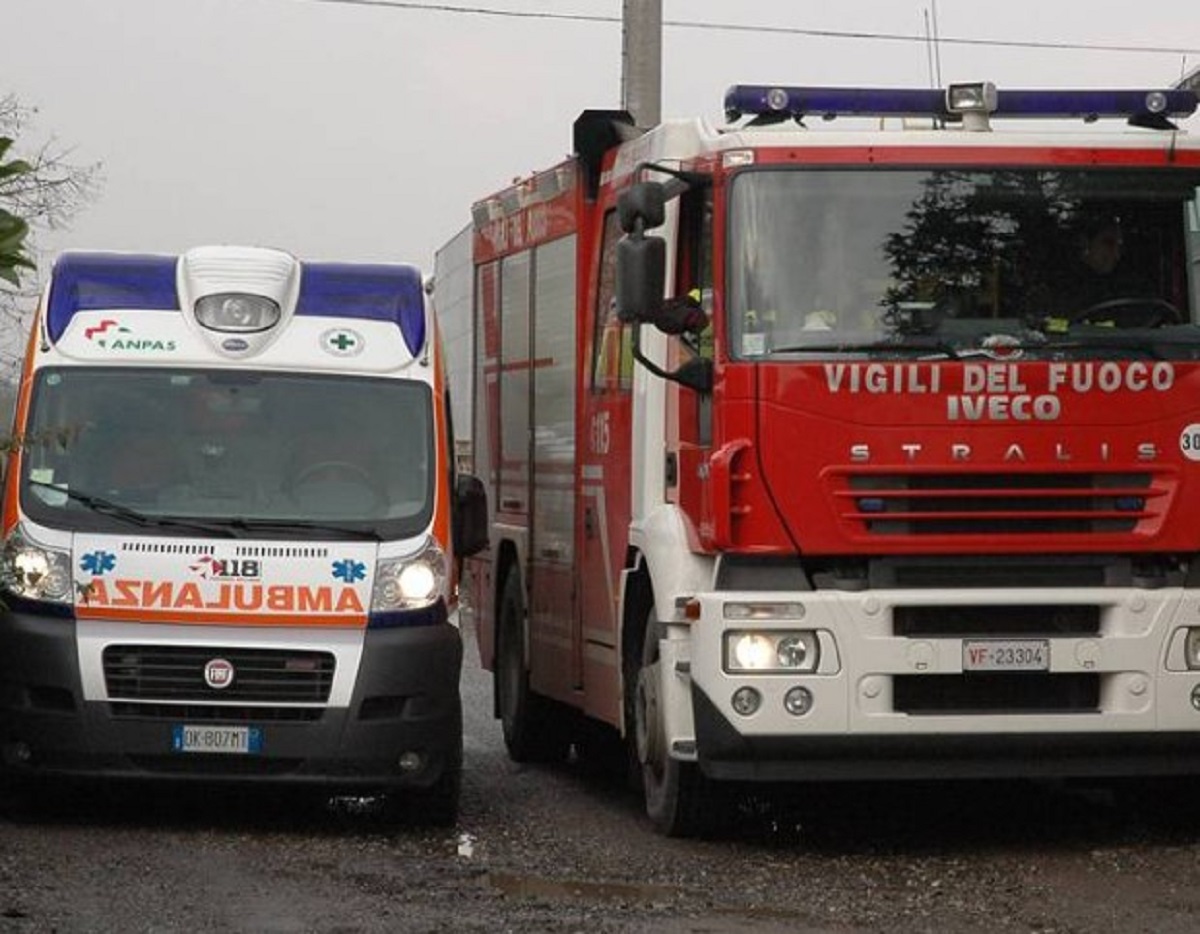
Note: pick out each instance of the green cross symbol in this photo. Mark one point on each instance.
(342, 341)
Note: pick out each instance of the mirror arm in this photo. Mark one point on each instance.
(689, 178)
(658, 371)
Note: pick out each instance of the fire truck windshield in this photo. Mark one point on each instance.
(849, 260)
(269, 451)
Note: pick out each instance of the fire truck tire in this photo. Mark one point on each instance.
(533, 730)
(680, 800)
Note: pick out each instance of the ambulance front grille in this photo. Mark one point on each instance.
(213, 713)
(176, 673)
(962, 503)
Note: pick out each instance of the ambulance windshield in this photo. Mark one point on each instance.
(279, 450)
(851, 259)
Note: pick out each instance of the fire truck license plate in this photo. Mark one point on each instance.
(1006, 655)
(228, 739)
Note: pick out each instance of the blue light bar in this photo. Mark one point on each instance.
(781, 102)
(373, 292)
(99, 281)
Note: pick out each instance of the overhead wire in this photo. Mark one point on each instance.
(866, 35)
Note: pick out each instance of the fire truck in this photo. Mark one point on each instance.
(231, 521)
(855, 438)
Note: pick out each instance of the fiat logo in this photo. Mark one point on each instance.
(218, 673)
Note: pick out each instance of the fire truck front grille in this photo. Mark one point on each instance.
(176, 673)
(1022, 692)
(1003, 620)
(1000, 503)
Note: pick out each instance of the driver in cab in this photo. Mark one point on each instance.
(1099, 288)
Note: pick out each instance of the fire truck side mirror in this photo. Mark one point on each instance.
(642, 207)
(470, 525)
(641, 276)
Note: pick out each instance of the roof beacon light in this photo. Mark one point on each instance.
(974, 102)
(1151, 108)
(237, 312)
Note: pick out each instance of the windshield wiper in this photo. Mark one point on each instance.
(106, 507)
(936, 346)
(301, 525)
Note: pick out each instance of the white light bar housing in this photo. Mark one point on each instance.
(238, 297)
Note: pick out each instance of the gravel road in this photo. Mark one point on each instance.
(559, 849)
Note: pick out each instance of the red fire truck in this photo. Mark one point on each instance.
(856, 438)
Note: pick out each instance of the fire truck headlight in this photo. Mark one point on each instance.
(411, 582)
(771, 651)
(34, 571)
(237, 312)
(1193, 648)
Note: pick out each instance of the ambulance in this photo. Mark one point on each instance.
(230, 526)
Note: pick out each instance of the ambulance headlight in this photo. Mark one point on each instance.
(237, 312)
(34, 571)
(770, 651)
(411, 582)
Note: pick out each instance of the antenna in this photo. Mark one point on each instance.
(937, 52)
(929, 50)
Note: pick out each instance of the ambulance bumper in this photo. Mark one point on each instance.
(402, 727)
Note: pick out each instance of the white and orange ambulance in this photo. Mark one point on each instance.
(230, 522)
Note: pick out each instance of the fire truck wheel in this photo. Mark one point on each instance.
(677, 794)
(533, 729)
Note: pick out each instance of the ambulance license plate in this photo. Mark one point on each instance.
(238, 740)
(1006, 655)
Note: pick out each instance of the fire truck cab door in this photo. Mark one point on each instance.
(604, 484)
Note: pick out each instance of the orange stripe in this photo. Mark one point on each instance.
(13, 473)
(441, 500)
(128, 615)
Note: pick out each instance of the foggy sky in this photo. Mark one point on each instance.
(349, 132)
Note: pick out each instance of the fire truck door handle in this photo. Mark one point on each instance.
(589, 522)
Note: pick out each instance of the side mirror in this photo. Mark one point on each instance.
(641, 277)
(642, 206)
(470, 519)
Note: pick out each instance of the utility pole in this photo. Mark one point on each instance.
(641, 60)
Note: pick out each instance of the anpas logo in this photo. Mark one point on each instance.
(211, 568)
(109, 334)
(105, 331)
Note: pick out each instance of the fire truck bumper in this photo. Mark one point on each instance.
(980, 682)
(401, 729)
(726, 754)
